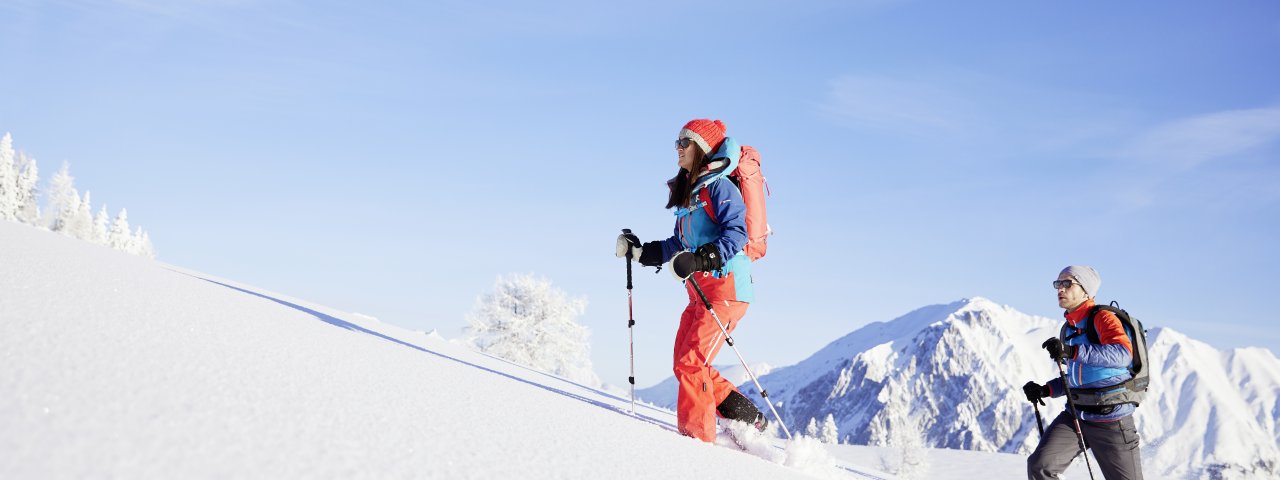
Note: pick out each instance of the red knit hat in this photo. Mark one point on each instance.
(708, 134)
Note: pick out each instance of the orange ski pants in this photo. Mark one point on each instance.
(702, 388)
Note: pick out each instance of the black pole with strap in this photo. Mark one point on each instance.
(728, 339)
(1075, 415)
(631, 323)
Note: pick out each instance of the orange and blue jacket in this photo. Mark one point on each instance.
(716, 216)
(1096, 365)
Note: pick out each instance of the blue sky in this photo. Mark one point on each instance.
(394, 158)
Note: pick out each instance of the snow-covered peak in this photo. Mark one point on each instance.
(954, 372)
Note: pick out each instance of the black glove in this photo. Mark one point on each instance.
(1057, 351)
(628, 243)
(705, 259)
(651, 254)
(1036, 392)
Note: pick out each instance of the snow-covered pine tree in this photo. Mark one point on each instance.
(144, 247)
(28, 190)
(119, 237)
(81, 225)
(8, 180)
(140, 244)
(812, 430)
(830, 432)
(63, 202)
(101, 226)
(528, 321)
(906, 437)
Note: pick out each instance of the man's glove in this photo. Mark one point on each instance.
(1036, 392)
(1057, 351)
(628, 243)
(705, 259)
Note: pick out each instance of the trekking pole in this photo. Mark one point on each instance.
(631, 323)
(728, 339)
(1075, 416)
(1039, 419)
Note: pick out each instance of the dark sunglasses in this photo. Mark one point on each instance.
(1063, 284)
(683, 142)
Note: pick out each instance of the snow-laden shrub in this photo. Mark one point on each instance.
(530, 322)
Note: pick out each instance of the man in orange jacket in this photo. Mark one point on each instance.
(1108, 429)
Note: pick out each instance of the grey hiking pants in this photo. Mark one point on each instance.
(1114, 446)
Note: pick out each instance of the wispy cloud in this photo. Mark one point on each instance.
(1215, 161)
(962, 111)
(897, 105)
(1186, 143)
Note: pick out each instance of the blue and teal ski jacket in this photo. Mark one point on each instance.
(727, 230)
(1096, 365)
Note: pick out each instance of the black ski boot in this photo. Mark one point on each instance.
(737, 407)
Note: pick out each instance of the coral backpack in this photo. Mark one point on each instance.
(751, 182)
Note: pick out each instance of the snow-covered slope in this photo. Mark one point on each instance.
(954, 373)
(115, 366)
(119, 366)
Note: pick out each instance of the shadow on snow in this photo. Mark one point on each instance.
(340, 323)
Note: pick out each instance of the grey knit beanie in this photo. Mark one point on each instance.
(1087, 277)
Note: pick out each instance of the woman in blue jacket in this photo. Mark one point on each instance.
(710, 233)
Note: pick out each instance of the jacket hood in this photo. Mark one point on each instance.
(723, 162)
(723, 159)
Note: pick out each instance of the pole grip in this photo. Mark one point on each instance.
(629, 286)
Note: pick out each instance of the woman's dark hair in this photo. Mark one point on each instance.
(682, 185)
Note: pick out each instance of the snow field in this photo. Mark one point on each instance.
(119, 366)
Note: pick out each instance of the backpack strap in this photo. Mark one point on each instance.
(1089, 329)
(705, 196)
(1115, 310)
(1121, 315)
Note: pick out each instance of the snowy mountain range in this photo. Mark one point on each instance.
(953, 374)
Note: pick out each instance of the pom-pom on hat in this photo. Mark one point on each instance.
(1087, 277)
(708, 134)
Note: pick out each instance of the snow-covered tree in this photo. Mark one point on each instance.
(528, 321)
(28, 191)
(64, 202)
(812, 430)
(8, 180)
(67, 212)
(81, 224)
(908, 458)
(119, 237)
(140, 244)
(143, 241)
(102, 226)
(829, 433)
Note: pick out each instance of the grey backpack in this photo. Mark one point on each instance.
(1132, 390)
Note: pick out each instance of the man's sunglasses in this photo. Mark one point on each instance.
(683, 142)
(1063, 284)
